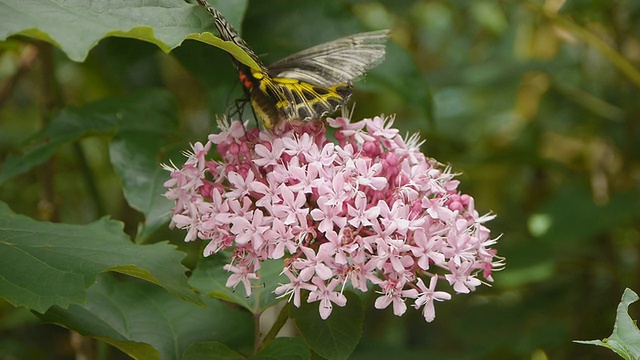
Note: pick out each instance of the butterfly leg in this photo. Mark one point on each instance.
(237, 109)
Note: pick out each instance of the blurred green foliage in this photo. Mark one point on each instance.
(536, 103)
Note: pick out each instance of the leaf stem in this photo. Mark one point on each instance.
(89, 180)
(28, 56)
(256, 332)
(50, 102)
(623, 65)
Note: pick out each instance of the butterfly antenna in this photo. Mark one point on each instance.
(232, 108)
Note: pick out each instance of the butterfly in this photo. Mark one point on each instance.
(309, 84)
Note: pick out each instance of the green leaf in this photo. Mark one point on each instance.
(335, 337)
(210, 351)
(151, 112)
(146, 322)
(164, 23)
(214, 71)
(210, 278)
(47, 264)
(625, 339)
(284, 348)
(136, 160)
(227, 46)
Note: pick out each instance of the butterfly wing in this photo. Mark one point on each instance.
(317, 81)
(334, 62)
(305, 101)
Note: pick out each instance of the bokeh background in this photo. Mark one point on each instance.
(534, 103)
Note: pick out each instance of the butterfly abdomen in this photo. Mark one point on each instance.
(262, 102)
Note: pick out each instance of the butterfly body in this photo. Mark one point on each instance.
(253, 86)
(307, 85)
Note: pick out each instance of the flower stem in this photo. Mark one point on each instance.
(256, 332)
(283, 316)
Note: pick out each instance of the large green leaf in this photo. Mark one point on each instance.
(76, 26)
(146, 322)
(144, 122)
(211, 351)
(284, 348)
(227, 46)
(625, 339)
(45, 264)
(150, 112)
(209, 278)
(136, 157)
(335, 337)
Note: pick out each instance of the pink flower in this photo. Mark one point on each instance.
(293, 288)
(427, 296)
(241, 274)
(291, 210)
(314, 264)
(269, 153)
(361, 213)
(393, 293)
(325, 294)
(369, 210)
(461, 277)
(250, 228)
(328, 214)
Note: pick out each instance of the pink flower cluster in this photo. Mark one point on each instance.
(368, 209)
